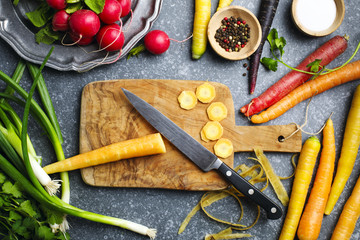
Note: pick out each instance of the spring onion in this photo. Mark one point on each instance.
(61, 206)
(28, 179)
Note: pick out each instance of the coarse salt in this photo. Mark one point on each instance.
(316, 15)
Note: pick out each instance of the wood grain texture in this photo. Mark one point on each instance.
(107, 117)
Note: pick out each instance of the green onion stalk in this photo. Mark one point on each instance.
(27, 177)
(49, 128)
(57, 204)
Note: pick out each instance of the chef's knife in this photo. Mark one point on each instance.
(202, 157)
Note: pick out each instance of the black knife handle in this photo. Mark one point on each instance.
(242, 185)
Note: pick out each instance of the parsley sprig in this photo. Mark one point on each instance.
(22, 217)
(277, 45)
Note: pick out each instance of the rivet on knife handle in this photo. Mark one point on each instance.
(273, 210)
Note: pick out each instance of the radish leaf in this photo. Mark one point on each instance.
(40, 16)
(96, 5)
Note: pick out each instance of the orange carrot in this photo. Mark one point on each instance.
(349, 150)
(327, 53)
(303, 175)
(311, 88)
(349, 215)
(311, 219)
(138, 147)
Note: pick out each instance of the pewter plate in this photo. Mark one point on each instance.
(17, 31)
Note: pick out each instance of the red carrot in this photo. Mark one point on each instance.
(266, 16)
(327, 52)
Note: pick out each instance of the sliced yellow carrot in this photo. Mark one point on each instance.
(143, 146)
(217, 111)
(187, 100)
(273, 177)
(203, 137)
(205, 92)
(223, 148)
(213, 130)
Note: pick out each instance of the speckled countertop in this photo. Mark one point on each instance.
(166, 209)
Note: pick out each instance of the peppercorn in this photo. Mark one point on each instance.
(233, 34)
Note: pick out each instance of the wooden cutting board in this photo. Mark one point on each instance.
(108, 117)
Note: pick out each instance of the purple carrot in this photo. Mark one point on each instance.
(266, 16)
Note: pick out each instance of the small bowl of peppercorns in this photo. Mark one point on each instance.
(234, 32)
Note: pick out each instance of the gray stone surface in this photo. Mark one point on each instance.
(166, 209)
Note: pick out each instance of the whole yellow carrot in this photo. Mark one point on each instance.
(223, 3)
(349, 150)
(349, 215)
(138, 147)
(303, 175)
(311, 219)
(201, 20)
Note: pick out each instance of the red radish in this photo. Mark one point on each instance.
(125, 6)
(60, 21)
(111, 12)
(157, 42)
(84, 23)
(110, 37)
(57, 4)
(83, 41)
(327, 52)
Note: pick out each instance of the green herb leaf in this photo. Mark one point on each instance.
(280, 44)
(73, 7)
(96, 5)
(45, 233)
(18, 228)
(52, 217)
(269, 63)
(72, 1)
(40, 16)
(136, 51)
(2, 178)
(13, 215)
(47, 35)
(12, 189)
(273, 34)
(27, 207)
(315, 65)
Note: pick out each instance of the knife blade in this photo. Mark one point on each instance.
(200, 155)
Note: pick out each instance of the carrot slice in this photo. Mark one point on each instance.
(187, 100)
(213, 130)
(203, 136)
(205, 92)
(223, 148)
(217, 111)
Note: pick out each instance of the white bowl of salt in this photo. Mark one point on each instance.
(318, 17)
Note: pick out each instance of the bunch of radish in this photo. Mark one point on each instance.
(84, 25)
